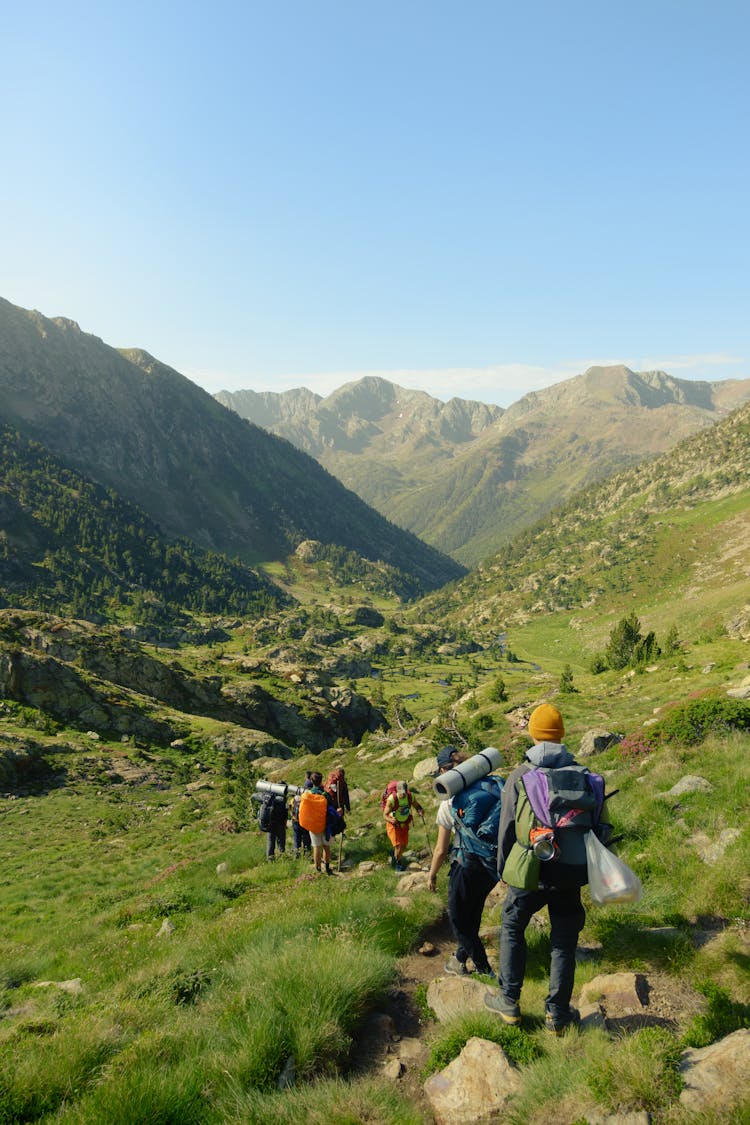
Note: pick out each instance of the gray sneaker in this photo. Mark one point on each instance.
(455, 967)
(503, 1006)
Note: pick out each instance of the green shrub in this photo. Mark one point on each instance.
(691, 723)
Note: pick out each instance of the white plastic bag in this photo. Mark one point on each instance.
(610, 880)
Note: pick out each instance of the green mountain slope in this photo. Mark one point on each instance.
(674, 530)
(71, 546)
(198, 470)
(467, 477)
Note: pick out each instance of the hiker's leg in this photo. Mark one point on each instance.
(567, 917)
(281, 838)
(518, 908)
(480, 883)
(456, 910)
(270, 845)
(317, 855)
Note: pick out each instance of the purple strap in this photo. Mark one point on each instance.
(535, 784)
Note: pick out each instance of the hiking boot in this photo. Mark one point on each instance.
(503, 1006)
(328, 869)
(558, 1025)
(455, 967)
(398, 867)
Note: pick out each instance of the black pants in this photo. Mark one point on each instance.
(567, 916)
(301, 838)
(277, 836)
(468, 887)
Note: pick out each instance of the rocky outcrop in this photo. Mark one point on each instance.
(63, 692)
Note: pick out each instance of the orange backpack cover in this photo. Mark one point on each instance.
(313, 808)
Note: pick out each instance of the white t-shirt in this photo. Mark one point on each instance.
(444, 817)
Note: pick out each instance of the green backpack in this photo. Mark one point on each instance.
(554, 811)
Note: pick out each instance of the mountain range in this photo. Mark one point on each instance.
(466, 476)
(132, 424)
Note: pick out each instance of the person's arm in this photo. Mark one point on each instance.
(388, 811)
(442, 847)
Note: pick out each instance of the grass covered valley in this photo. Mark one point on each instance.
(156, 969)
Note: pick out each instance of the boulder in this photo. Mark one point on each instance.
(688, 784)
(475, 1088)
(712, 1075)
(596, 741)
(451, 997)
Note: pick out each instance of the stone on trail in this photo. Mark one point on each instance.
(474, 1088)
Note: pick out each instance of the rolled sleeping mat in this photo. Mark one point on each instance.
(474, 769)
(279, 788)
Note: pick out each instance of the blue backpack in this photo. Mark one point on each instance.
(476, 819)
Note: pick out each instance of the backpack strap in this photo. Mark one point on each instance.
(596, 781)
(537, 791)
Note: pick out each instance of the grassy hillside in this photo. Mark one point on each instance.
(156, 969)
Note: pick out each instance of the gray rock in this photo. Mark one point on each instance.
(450, 997)
(689, 784)
(596, 741)
(714, 1076)
(475, 1088)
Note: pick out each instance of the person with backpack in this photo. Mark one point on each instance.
(315, 809)
(300, 836)
(461, 821)
(338, 790)
(272, 821)
(549, 803)
(397, 804)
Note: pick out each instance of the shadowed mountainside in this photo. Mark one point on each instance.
(133, 424)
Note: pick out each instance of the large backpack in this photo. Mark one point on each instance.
(313, 808)
(269, 813)
(476, 819)
(554, 811)
(404, 808)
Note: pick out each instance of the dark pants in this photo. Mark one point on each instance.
(301, 838)
(567, 916)
(277, 836)
(468, 887)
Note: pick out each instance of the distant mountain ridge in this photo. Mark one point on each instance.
(466, 476)
(131, 423)
(676, 526)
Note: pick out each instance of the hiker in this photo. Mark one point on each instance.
(469, 881)
(314, 816)
(555, 883)
(397, 811)
(272, 819)
(337, 788)
(300, 836)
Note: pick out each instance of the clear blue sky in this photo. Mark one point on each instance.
(476, 198)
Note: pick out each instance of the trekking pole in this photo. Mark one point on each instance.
(341, 848)
(426, 833)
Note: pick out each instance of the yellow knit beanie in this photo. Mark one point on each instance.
(546, 724)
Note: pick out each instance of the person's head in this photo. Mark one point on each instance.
(449, 757)
(316, 778)
(401, 789)
(446, 758)
(546, 724)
